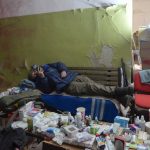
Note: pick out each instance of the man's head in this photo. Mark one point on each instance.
(35, 67)
(35, 71)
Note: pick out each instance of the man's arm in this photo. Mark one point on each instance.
(42, 81)
(43, 85)
(59, 66)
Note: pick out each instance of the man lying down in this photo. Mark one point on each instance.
(57, 77)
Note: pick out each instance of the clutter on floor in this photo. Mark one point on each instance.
(12, 139)
(81, 130)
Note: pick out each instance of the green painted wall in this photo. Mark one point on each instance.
(76, 37)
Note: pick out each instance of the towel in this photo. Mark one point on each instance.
(145, 76)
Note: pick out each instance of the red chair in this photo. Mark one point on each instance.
(142, 96)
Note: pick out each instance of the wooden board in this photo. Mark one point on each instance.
(106, 76)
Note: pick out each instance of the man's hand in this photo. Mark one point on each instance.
(33, 74)
(40, 73)
(63, 74)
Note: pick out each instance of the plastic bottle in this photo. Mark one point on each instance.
(142, 123)
(78, 120)
(137, 121)
(60, 123)
(70, 118)
(96, 120)
(90, 120)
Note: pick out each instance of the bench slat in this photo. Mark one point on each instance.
(93, 68)
(105, 76)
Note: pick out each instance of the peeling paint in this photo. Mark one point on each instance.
(104, 58)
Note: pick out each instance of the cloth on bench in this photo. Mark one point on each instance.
(102, 108)
(9, 100)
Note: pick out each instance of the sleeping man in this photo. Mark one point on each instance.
(57, 77)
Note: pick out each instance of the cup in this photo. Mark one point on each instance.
(82, 111)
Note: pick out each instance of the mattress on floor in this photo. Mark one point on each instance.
(104, 109)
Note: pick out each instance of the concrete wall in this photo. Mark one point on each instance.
(79, 33)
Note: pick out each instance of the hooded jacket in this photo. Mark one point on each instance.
(52, 80)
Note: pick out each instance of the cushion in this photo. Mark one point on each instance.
(138, 86)
(142, 100)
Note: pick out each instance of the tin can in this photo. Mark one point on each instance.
(30, 123)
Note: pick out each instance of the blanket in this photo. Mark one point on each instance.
(102, 108)
(19, 98)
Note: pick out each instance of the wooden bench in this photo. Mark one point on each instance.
(105, 76)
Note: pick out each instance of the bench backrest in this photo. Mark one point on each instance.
(105, 76)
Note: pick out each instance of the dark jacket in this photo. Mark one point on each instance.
(53, 80)
(12, 138)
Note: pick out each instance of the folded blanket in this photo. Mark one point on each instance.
(145, 76)
(10, 100)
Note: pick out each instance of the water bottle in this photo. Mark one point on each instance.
(142, 123)
(70, 118)
(137, 121)
(78, 120)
